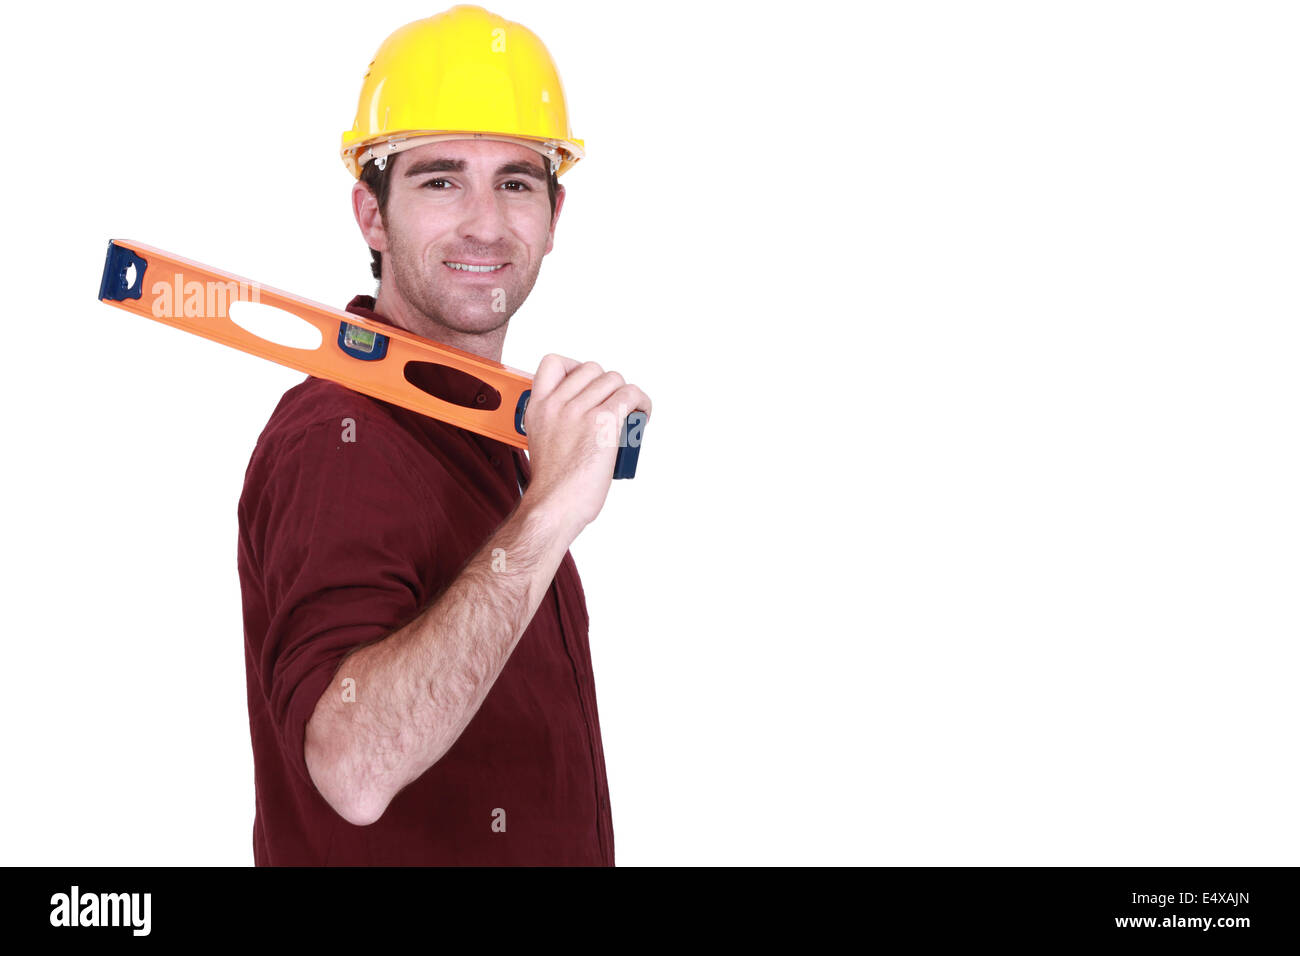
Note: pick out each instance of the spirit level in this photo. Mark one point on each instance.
(370, 357)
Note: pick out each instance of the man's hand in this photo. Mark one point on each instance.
(572, 412)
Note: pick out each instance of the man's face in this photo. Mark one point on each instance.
(460, 204)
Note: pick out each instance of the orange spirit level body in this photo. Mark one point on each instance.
(370, 357)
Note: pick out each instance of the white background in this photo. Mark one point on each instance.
(966, 530)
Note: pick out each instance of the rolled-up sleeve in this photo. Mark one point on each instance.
(341, 557)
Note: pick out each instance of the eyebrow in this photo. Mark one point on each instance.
(447, 165)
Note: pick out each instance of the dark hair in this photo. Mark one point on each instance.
(379, 180)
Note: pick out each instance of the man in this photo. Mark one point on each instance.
(419, 677)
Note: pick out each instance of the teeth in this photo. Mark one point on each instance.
(467, 268)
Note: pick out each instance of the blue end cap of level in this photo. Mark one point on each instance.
(519, 411)
(115, 284)
(629, 445)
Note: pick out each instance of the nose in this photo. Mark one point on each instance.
(483, 218)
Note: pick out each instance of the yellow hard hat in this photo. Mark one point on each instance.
(462, 74)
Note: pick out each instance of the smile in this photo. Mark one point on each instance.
(466, 267)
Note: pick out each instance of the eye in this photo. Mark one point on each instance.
(432, 181)
(515, 182)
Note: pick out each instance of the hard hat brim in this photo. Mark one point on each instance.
(562, 154)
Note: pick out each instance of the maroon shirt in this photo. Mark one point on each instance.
(343, 542)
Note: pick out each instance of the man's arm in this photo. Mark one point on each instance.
(417, 689)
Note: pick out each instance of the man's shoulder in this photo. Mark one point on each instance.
(319, 414)
(319, 403)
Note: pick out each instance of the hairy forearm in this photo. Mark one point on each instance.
(417, 689)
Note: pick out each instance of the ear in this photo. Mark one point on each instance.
(365, 207)
(559, 204)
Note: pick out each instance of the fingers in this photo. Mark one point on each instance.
(628, 398)
(610, 390)
(596, 391)
(551, 372)
(587, 385)
(575, 382)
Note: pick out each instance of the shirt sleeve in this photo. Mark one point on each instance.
(344, 541)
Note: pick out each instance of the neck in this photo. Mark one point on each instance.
(397, 311)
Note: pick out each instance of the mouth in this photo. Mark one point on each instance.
(473, 268)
